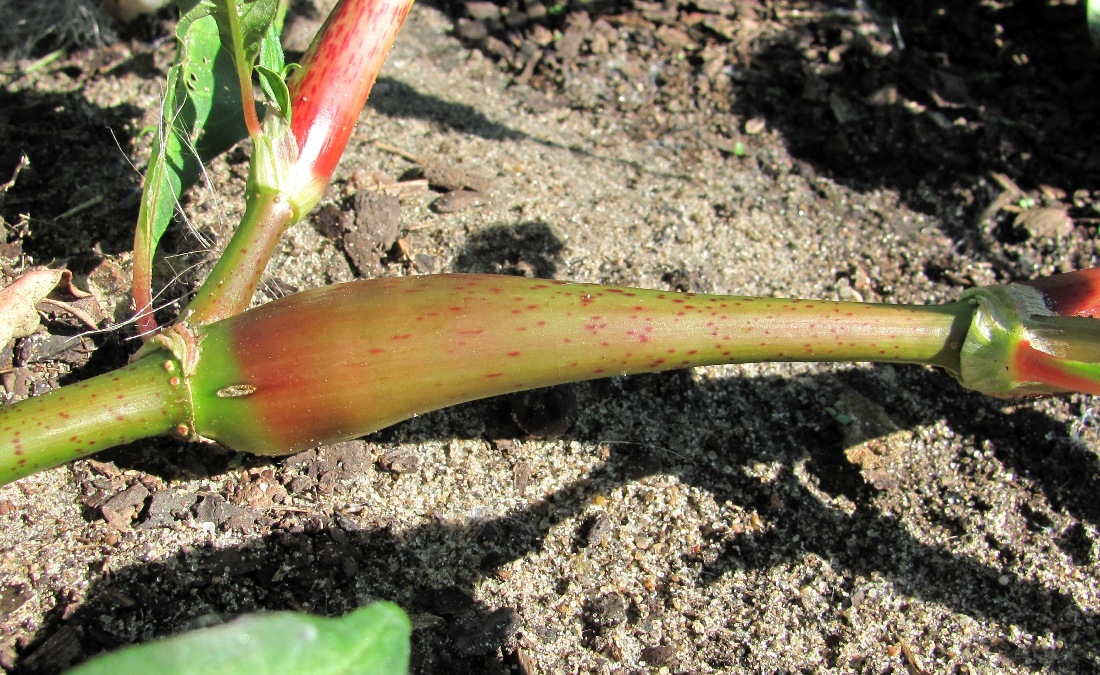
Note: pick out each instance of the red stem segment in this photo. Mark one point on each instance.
(337, 74)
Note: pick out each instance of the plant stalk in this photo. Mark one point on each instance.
(335, 363)
(143, 399)
(233, 281)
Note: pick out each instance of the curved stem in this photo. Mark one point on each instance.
(244, 71)
(233, 281)
(145, 398)
(339, 362)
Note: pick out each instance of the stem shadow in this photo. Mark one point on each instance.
(329, 562)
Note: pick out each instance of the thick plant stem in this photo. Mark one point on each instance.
(339, 362)
(146, 398)
(233, 281)
(335, 363)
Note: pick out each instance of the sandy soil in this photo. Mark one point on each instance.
(763, 518)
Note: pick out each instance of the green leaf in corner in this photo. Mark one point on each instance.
(371, 640)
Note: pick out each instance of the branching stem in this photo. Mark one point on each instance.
(233, 281)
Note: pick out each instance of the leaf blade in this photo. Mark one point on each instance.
(370, 640)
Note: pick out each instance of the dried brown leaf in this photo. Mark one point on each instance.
(18, 316)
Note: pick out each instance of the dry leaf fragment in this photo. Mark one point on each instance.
(18, 316)
(1045, 222)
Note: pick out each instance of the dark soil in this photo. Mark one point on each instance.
(738, 519)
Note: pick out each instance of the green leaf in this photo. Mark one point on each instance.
(201, 86)
(271, 47)
(272, 66)
(257, 25)
(373, 639)
(252, 18)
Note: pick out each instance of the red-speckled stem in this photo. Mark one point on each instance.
(143, 399)
(338, 362)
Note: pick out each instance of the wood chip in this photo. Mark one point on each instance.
(1048, 222)
(458, 200)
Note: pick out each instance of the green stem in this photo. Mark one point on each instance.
(143, 399)
(233, 281)
(339, 362)
(244, 71)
